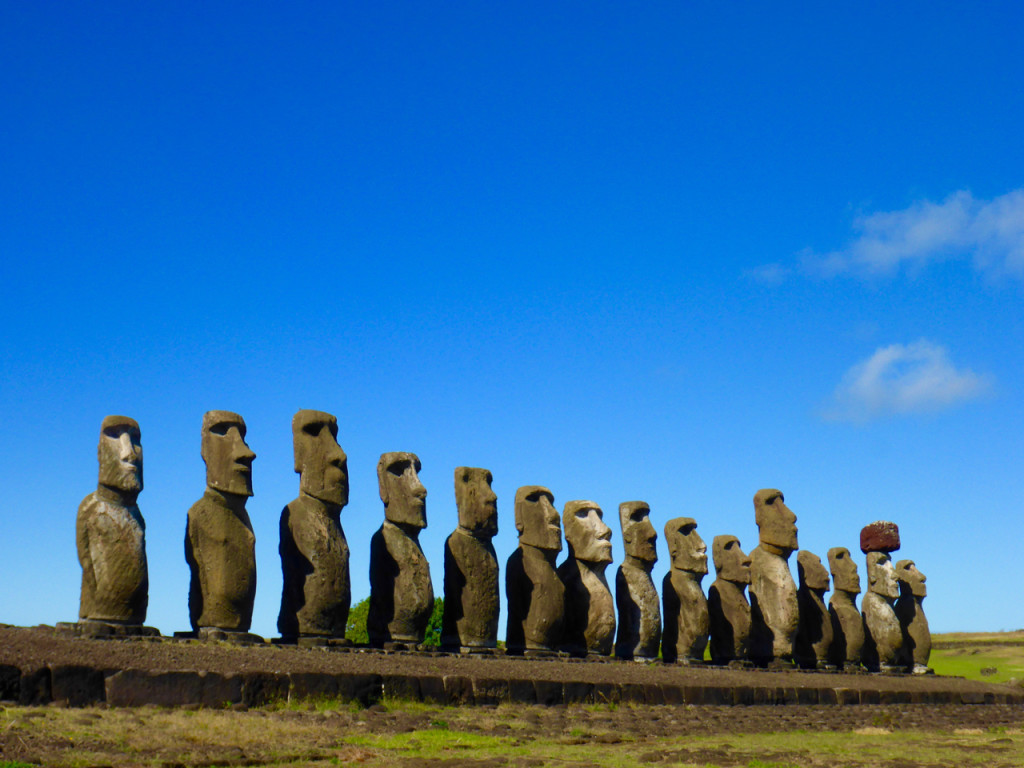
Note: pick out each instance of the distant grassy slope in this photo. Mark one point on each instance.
(968, 653)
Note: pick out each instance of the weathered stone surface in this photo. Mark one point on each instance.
(471, 597)
(814, 636)
(774, 608)
(77, 685)
(880, 536)
(847, 622)
(917, 639)
(589, 608)
(728, 609)
(533, 589)
(220, 546)
(316, 592)
(883, 636)
(401, 593)
(687, 627)
(636, 598)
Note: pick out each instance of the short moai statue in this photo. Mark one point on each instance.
(314, 553)
(401, 593)
(636, 597)
(847, 622)
(471, 597)
(883, 636)
(220, 546)
(728, 609)
(774, 608)
(814, 636)
(535, 593)
(589, 608)
(685, 636)
(917, 640)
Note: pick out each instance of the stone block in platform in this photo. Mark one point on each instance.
(76, 685)
(549, 692)
(490, 690)
(103, 630)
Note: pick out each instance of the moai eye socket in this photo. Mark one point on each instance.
(220, 429)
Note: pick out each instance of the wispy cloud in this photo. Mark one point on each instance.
(904, 379)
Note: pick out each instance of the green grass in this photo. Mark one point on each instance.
(967, 654)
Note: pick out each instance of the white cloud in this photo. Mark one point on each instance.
(770, 274)
(903, 379)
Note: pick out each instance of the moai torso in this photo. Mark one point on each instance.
(589, 608)
(775, 610)
(814, 636)
(536, 600)
(401, 593)
(847, 622)
(687, 625)
(639, 625)
(729, 621)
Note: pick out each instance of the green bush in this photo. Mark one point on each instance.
(355, 629)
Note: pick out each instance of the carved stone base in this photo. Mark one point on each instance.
(213, 634)
(105, 630)
(921, 669)
(314, 641)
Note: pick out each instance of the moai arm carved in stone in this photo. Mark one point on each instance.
(316, 592)
(917, 639)
(847, 623)
(471, 597)
(589, 608)
(814, 637)
(401, 594)
(728, 609)
(774, 607)
(639, 625)
(686, 609)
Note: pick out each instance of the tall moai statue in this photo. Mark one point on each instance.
(883, 636)
(687, 626)
(814, 636)
(728, 609)
(535, 593)
(774, 608)
(917, 640)
(401, 594)
(314, 553)
(220, 546)
(639, 631)
(471, 597)
(589, 608)
(847, 623)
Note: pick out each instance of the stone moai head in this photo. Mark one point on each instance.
(882, 576)
(589, 539)
(844, 570)
(537, 518)
(911, 578)
(477, 503)
(404, 497)
(321, 463)
(731, 562)
(120, 454)
(776, 523)
(638, 533)
(685, 546)
(228, 458)
(812, 573)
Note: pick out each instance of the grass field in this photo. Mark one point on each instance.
(995, 657)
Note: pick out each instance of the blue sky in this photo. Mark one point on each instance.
(677, 253)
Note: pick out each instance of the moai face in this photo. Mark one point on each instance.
(776, 523)
(844, 570)
(907, 573)
(228, 459)
(322, 464)
(586, 532)
(537, 518)
(120, 454)
(477, 503)
(404, 497)
(731, 562)
(812, 573)
(882, 576)
(638, 533)
(687, 548)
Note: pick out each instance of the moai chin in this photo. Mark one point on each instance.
(401, 594)
(847, 622)
(687, 626)
(639, 625)
(471, 597)
(917, 640)
(774, 608)
(883, 636)
(316, 593)
(220, 546)
(814, 636)
(728, 609)
(589, 608)
(535, 593)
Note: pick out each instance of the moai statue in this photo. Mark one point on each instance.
(535, 593)
(220, 547)
(814, 636)
(917, 640)
(847, 623)
(774, 609)
(636, 597)
(471, 598)
(401, 595)
(883, 637)
(589, 608)
(686, 609)
(314, 553)
(728, 609)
